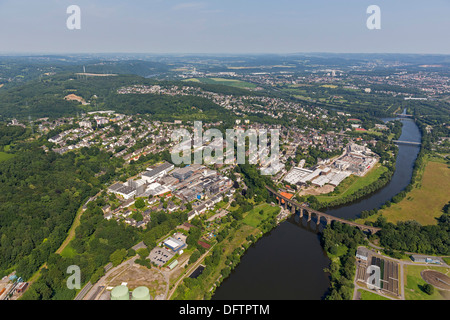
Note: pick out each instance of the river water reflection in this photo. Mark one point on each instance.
(288, 262)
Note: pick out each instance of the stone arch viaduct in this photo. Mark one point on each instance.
(293, 206)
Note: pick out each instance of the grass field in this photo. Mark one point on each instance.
(68, 252)
(414, 284)
(423, 204)
(226, 82)
(5, 156)
(253, 217)
(65, 249)
(353, 183)
(367, 295)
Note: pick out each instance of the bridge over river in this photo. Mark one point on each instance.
(407, 142)
(294, 206)
(403, 115)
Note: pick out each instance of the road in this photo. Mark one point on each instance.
(103, 283)
(188, 272)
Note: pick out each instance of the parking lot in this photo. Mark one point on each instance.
(160, 256)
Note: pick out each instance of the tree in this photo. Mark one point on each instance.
(193, 237)
(194, 256)
(333, 250)
(143, 252)
(139, 203)
(428, 289)
(149, 240)
(97, 275)
(118, 256)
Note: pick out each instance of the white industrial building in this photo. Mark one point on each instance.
(296, 175)
(152, 175)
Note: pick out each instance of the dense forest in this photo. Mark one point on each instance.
(342, 269)
(97, 242)
(15, 71)
(9, 134)
(410, 236)
(45, 98)
(40, 195)
(167, 108)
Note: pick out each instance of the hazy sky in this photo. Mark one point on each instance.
(225, 26)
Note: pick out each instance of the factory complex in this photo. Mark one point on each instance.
(356, 160)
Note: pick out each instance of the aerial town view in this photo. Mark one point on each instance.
(225, 151)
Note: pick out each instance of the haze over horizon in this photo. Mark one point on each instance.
(224, 27)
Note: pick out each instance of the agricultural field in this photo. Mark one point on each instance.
(423, 204)
(226, 82)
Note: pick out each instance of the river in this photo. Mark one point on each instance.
(287, 263)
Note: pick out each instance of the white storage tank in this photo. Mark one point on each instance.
(120, 293)
(140, 293)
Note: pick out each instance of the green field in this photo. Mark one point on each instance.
(254, 218)
(423, 204)
(352, 184)
(5, 156)
(367, 295)
(414, 283)
(235, 239)
(226, 82)
(68, 252)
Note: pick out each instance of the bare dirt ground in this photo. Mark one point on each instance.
(174, 274)
(137, 275)
(316, 190)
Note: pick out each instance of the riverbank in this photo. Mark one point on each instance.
(354, 187)
(226, 254)
(425, 202)
(288, 262)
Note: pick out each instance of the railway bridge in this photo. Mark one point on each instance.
(293, 206)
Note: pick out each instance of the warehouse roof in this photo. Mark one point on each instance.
(158, 169)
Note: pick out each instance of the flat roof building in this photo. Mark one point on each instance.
(362, 253)
(183, 173)
(156, 173)
(174, 244)
(425, 259)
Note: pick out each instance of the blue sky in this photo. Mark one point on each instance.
(225, 26)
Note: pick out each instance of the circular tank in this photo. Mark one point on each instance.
(141, 293)
(120, 293)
